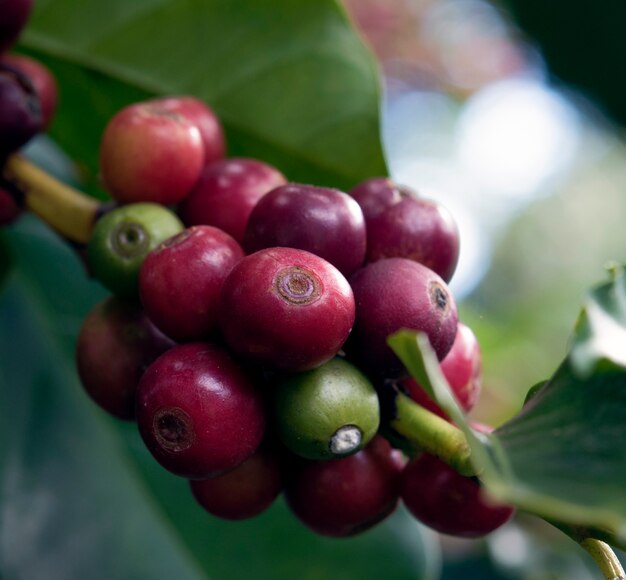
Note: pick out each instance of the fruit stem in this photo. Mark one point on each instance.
(68, 211)
(605, 558)
(431, 433)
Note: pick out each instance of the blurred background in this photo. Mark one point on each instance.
(511, 113)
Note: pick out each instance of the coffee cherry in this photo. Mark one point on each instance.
(14, 13)
(226, 193)
(198, 411)
(121, 240)
(323, 221)
(286, 308)
(201, 116)
(462, 369)
(417, 229)
(378, 194)
(42, 79)
(148, 153)
(10, 206)
(397, 293)
(244, 492)
(181, 279)
(20, 110)
(444, 500)
(343, 497)
(116, 343)
(329, 412)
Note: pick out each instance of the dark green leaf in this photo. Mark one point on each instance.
(290, 79)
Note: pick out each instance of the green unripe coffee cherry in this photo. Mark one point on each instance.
(121, 240)
(329, 412)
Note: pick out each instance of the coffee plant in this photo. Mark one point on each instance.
(225, 301)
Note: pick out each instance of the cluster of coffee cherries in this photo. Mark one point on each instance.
(246, 333)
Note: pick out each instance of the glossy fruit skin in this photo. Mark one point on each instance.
(378, 194)
(244, 492)
(122, 239)
(397, 293)
(323, 221)
(181, 279)
(42, 79)
(15, 13)
(148, 153)
(462, 369)
(204, 118)
(448, 502)
(117, 342)
(313, 408)
(287, 309)
(344, 497)
(20, 110)
(418, 229)
(226, 193)
(199, 412)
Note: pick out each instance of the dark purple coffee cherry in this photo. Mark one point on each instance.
(378, 194)
(244, 492)
(116, 344)
(14, 14)
(343, 497)
(199, 412)
(181, 279)
(323, 221)
(448, 502)
(417, 229)
(226, 193)
(20, 110)
(286, 308)
(462, 369)
(43, 80)
(397, 293)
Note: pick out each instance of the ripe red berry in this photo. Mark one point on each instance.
(323, 221)
(181, 279)
(116, 344)
(203, 117)
(462, 369)
(286, 308)
(378, 194)
(199, 412)
(14, 13)
(397, 293)
(244, 492)
(448, 502)
(43, 80)
(20, 110)
(343, 497)
(226, 193)
(148, 153)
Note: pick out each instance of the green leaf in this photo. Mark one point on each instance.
(563, 456)
(83, 498)
(291, 80)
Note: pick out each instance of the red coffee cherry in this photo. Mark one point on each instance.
(323, 221)
(343, 497)
(397, 293)
(226, 193)
(42, 79)
(202, 116)
(448, 502)
(286, 308)
(199, 412)
(116, 344)
(15, 13)
(244, 492)
(10, 204)
(148, 153)
(181, 279)
(462, 369)
(378, 194)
